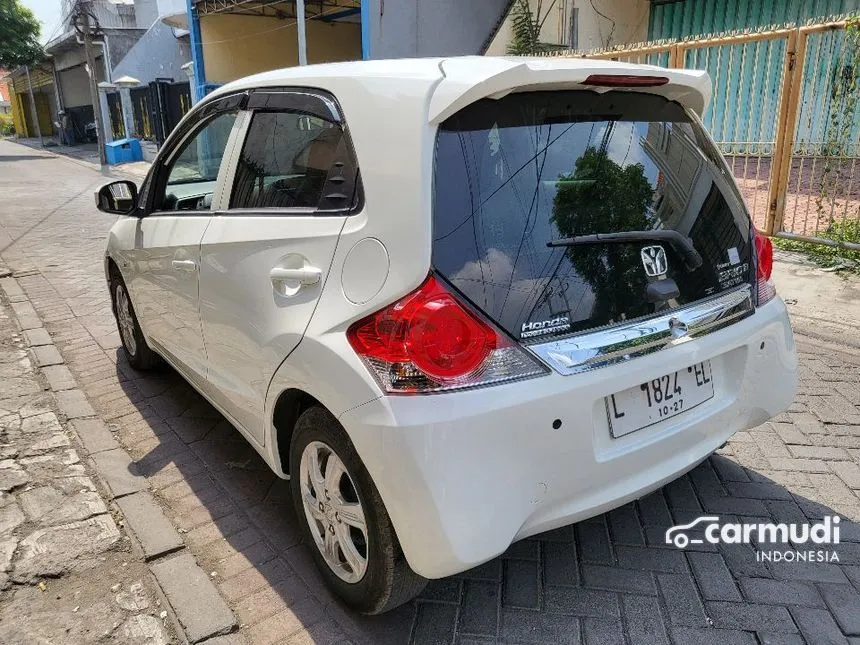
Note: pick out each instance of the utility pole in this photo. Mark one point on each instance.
(82, 20)
(300, 28)
(33, 107)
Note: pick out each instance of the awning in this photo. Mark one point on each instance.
(323, 10)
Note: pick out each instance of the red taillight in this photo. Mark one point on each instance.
(624, 80)
(764, 268)
(764, 253)
(429, 341)
(445, 341)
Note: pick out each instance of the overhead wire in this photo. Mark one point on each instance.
(59, 28)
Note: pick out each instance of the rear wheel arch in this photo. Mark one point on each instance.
(113, 271)
(138, 352)
(288, 408)
(113, 275)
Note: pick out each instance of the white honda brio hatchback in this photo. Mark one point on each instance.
(458, 302)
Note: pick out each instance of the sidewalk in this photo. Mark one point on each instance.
(822, 305)
(67, 571)
(86, 153)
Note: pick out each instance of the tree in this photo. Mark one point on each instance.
(526, 26)
(19, 35)
(600, 196)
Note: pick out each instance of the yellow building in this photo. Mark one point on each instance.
(233, 38)
(45, 97)
(238, 45)
(242, 38)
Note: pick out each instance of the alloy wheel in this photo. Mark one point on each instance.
(334, 511)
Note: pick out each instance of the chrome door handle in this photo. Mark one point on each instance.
(304, 275)
(184, 265)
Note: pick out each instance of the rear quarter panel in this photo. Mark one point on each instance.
(387, 121)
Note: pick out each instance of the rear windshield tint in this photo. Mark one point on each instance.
(513, 174)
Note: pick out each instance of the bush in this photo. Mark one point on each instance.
(830, 256)
(7, 126)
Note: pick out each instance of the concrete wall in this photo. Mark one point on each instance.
(158, 54)
(168, 7)
(70, 57)
(631, 22)
(120, 43)
(236, 46)
(114, 15)
(403, 28)
(74, 86)
(625, 21)
(146, 13)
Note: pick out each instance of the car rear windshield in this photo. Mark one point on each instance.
(515, 174)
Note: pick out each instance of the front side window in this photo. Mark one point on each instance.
(286, 162)
(193, 173)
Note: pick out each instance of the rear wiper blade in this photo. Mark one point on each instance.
(681, 243)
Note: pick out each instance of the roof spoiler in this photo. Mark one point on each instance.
(467, 80)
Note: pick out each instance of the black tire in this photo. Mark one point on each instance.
(388, 580)
(140, 356)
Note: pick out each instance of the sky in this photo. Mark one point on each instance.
(48, 14)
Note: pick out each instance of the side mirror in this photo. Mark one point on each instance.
(117, 198)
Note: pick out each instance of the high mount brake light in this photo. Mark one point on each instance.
(625, 80)
(764, 268)
(428, 341)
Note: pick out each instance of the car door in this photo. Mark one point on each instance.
(266, 254)
(166, 253)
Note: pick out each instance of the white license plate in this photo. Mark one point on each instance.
(663, 398)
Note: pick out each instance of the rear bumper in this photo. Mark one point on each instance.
(465, 474)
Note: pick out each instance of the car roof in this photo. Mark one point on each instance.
(455, 82)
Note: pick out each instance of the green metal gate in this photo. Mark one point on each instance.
(786, 113)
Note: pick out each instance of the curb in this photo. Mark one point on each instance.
(80, 161)
(197, 608)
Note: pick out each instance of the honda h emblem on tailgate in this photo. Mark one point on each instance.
(654, 261)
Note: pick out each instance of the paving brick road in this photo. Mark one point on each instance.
(67, 572)
(607, 580)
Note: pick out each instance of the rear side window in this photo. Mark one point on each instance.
(515, 174)
(290, 160)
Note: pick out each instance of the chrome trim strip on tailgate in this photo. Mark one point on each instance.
(595, 349)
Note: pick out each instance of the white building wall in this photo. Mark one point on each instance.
(170, 7)
(407, 28)
(601, 23)
(146, 13)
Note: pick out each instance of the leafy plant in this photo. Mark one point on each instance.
(830, 256)
(526, 28)
(837, 154)
(7, 126)
(19, 35)
(601, 195)
(839, 145)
